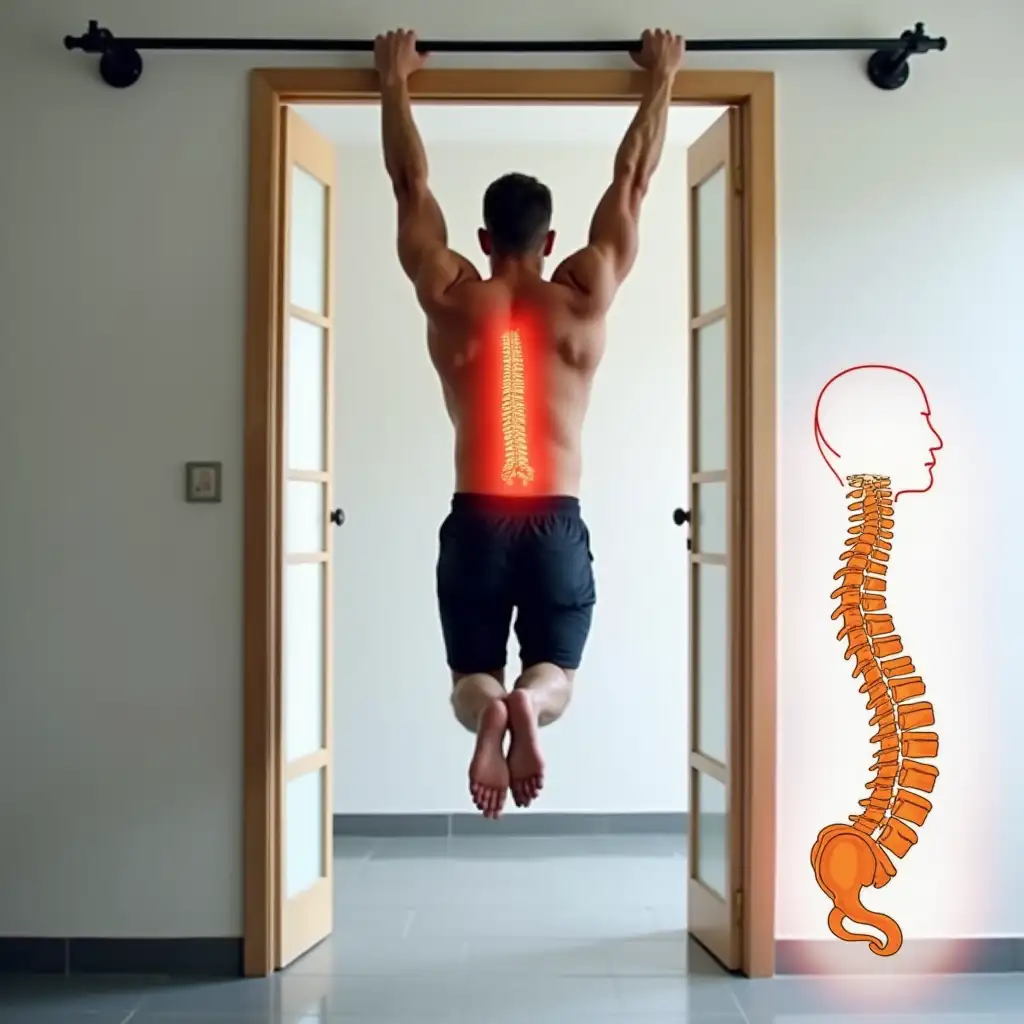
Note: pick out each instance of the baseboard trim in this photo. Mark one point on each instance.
(997, 955)
(207, 958)
(396, 826)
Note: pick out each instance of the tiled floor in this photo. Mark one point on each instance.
(494, 930)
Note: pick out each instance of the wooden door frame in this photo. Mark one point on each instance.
(753, 94)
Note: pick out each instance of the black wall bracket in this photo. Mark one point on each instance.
(890, 69)
(121, 59)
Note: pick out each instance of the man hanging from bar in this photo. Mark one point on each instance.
(516, 355)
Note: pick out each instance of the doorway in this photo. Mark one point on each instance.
(289, 475)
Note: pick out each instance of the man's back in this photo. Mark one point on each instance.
(516, 356)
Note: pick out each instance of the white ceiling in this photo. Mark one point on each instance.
(359, 123)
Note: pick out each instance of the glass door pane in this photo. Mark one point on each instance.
(712, 394)
(710, 231)
(303, 650)
(303, 818)
(308, 241)
(710, 598)
(710, 834)
(307, 389)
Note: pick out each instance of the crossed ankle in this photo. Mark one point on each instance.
(493, 716)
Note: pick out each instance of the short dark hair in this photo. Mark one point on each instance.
(517, 213)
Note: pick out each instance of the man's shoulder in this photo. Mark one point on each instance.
(454, 295)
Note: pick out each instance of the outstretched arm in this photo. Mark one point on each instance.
(422, 235)
(599, 269)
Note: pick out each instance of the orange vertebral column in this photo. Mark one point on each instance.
(513, 411)
(846, 858)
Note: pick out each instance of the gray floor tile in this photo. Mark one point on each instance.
(649, 958)
(414, 848)
(410, 1018)
(42, 999)
(646, 996)
(776, 998)
(353, 847)
(66, 1016)
(426, 993)
(380, 922)
(691, 1018)
(266, 1017)
(528, 997)
(184, 998)
(884, 1017)
(486, 926)
(528, 957)
(522, 849)
(269, 1017)
(387, 957)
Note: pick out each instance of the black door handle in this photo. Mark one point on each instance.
(680, 516)
(338, 517)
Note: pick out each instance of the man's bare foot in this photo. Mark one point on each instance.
(488, 773)
(525, 765)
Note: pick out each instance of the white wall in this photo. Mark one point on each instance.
(901, 218)
(398, 746)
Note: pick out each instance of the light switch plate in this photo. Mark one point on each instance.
(202, 482)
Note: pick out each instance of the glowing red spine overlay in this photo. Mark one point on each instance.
(513, 447)
(513, 412)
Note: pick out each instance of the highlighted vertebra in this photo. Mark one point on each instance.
(513, 411)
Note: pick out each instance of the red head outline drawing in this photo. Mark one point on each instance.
(875, 418)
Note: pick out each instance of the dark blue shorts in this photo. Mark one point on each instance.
(528, 554)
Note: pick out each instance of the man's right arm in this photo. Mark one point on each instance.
(598, 270)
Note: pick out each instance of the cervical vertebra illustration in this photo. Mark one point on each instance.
(513, 411)
(847, 858)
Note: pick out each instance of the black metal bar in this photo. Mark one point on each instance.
(121, 63)
(494, 45)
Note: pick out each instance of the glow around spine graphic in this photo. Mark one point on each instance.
(872, 425)
(513, 411)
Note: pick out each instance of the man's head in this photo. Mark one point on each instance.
(517, 219)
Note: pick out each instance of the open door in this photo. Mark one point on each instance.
(715, 407)
(304, 805)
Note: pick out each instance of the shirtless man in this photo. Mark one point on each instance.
(516, 356)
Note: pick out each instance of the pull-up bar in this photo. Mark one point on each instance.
(121, 62)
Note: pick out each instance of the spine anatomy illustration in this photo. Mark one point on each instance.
(846, 858)
(513, 411)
